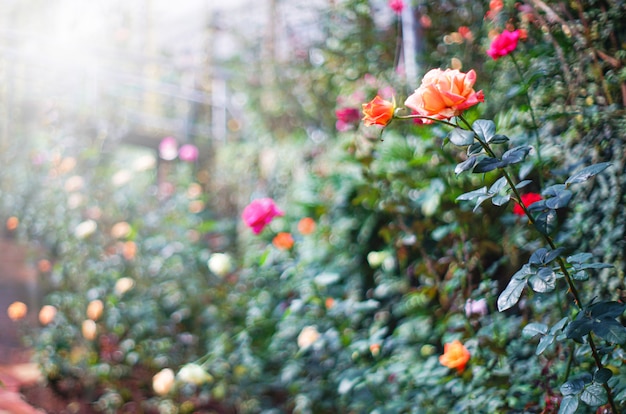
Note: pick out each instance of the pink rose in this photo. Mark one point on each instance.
(444, 94)
(259, 213)
(188, 153)
(503, 44)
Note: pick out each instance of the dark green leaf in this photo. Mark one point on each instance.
(470, 195)
(546, 221)
(553, 190)
(533, 329)
(610, 330)
(569, 404)
(573, 386)
(538, 255)
(544, 343)
(594, 266)
(587, 172)
(461, 137)
(582, 275)
(610, 309)
(498, 139)
(475, 148)
(481, 200)
(594, 395)
(485, 129)
(536, 206)
(602, 375)
(561, 200)
(552, 255)
(487, 164)
(577, 329)
(515, 155)
(466, 165)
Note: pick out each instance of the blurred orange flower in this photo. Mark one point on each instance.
(283, 241)
(306, 226)
(17, 310)
(455, 355)
(12, 223)
(378, 112)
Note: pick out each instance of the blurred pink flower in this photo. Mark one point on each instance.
(503, 44)
(396, 5)
(188, 153)
(347, 118)
(168, 148)
(259, 213)
(476, 307)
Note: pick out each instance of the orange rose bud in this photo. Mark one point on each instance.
(378, 112)
(306, 226)
(455, 355)
(283, 241)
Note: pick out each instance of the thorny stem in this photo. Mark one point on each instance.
(560, 261)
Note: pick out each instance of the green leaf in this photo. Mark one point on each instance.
(511, 294)
(610, 330)
(515, 155)
(523, 184)
(602, 375)
(470, 195)
(500, 200)
(487, 164)
(577, 329)
(559, 325)
(561, 200)
(485, 129)
(579, 257)
(461, 137)
(569, 404)
(466, 165)
(594, 266)
(573, 386)
(544, 343)
(498, 139)
(586, 173)
(533, 329)
(609, 309)
(544, 281)
(498, 185)
(481, 200)
(475, 148)
(594, 395)
(546, 221)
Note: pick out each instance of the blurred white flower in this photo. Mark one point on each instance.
(75, 200)
(144, 163)
(74, 183)
(375, 259)
(95, 309)
(123, 285)
(120, 230)
(89, 329)
(163, 381)
(85, 229)
(121, 177)
(308, 336)
(221, 264)
(476, 307)
(194, 374)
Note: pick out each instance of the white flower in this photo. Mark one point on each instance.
(85, 229)
(308, 336)
(220, 264)
(163, 381)
(89, 329)
(194, 374)
(375, 259)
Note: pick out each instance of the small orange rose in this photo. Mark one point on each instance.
(455, 355)
(306, 226)
(378, 112)
(283, 241)
(444, 94)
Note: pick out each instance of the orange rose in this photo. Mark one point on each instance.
(378, 112)
(283, 241)
(306, 226)
(444, 94)
(455, 355)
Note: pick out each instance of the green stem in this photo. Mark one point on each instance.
(532, 117)
(560, 260)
